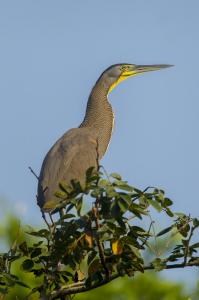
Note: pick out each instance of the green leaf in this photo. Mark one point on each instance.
(180, 215)
(155, 204)
(138, 231)
(41, 233)
(116, 176)
(76, 186)
(123, 205)
(135, 251)
(126, 198)
(159, 264)
(138, 267)
(27, 264)
(103, 183)
(94, 266)
(164, 231)
(79, 205)
(138, 210)
(169, 212)
(38, 272)
(111, 193)
(60, 194)
(128, 240)
(68, 216)
(122, 185)
(36, 252)
(13, 257)
(22, 284)
(196, 222)
(23, 247)
(125, 187)
(111, 226)
(65, 188)
(37, 244)
(35, 290)
(137, 191)
(115, 210)
(90, 174)
(196, 245)
(167, 202)
(95, 193)
(10, 279)
(91, 257)
(88, 282)
(174, 257)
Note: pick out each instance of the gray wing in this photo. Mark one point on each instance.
(68, 159)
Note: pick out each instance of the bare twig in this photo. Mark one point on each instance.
(142, 192)
(147, 237)
(31, 170)
(99, 244)
(188, 242)
(105, 172)
(12, 250)
(45, 220)
(155, 238)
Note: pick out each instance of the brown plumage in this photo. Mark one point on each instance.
(81, 148)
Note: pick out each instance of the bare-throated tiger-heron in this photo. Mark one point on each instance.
(81, 148)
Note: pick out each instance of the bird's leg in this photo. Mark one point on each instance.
(52, 226)
(45, 220)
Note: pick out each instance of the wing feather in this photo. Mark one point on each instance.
(69, 158)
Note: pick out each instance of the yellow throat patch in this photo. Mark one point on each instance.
(123, 76)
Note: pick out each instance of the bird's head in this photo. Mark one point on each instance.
(113, 75)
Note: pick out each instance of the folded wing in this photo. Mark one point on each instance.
(69, 158)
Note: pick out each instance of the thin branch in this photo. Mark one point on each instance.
(148, 188)
(105, 172)
(45, 220)
(99, 244)
(96, 218)
(154, 235)
(177, 231)
(12, 250)
(176, 266)
(80, 286)
(188, 242)
(31, 170)
(147, 237)
(142, 192)
(80, 289)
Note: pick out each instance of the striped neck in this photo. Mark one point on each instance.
(99, 117)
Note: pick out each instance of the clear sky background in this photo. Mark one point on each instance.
(51, 54)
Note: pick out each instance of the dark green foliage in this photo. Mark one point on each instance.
(82, 250)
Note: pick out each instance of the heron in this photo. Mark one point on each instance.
(82, 148)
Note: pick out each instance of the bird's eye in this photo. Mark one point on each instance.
(123, 68)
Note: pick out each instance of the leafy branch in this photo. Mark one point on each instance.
(81, 287)
(97, 237)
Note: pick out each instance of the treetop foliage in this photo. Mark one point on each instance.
(83, 249)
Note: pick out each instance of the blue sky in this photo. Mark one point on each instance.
(51, 54)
